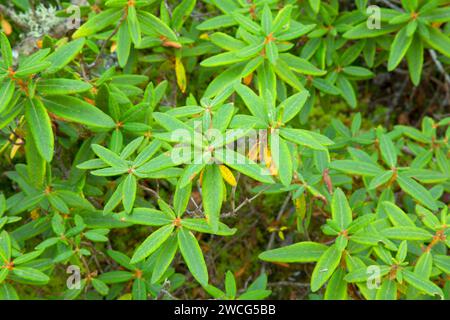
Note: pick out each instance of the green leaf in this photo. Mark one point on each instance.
(3, 275)
(388, 151)
(244, 165)
(325, 267)
(129, 192)
(63, 55)
(407, 233)
(171, 123)
(399, 47)
(347, 91)
(315, 5)
(300, 252)
(251, 100)
(31, 68)
(217, 22)
(153, 242)
(133, 25)
(336, 287)
(222, 59)
(6, 50)
(192, 255)
(340, 210)
(359, 72)
(272, 52)
(109, 157)
(123, 44)
(422, 284)
(301, 65)
(363, 274)
(387, 291)
(6, 94)
(7, 292)
(181, 13)
(98, 22)
(147, 153)
(164, 258)
(281, 22)
(5, 247)
(416, 191)
(302, 137)
(246, 23)
(31, 274)
(61, 86)
(442, 262)
(282, 158)
(100, 286)
(362, 31)
(41, 127)
(290, 107)
(424, 265)
(151, 23)
(380, 179)
(396, 215)
(230, 284)
(116, 277)
(438, 41)
(181, 197)
(146, 217)
(76, 110)
(139, 289)
(201, 225)
(212, 194)
(356, 167)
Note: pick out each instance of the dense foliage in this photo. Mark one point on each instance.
(224, 149)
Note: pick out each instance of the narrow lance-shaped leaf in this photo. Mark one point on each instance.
(417, 191)
(74, 109)
(63, 55)
(129, 192)
(340, 209)
(325, 267)
(399, 47)
(193, 255)
(212, 194)
(40, 127)
(152, 243)
(300, 252)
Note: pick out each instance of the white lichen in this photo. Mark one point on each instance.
(41, 21)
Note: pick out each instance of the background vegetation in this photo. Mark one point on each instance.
(91, 90)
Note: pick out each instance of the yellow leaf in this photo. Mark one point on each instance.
(201, 178)
(254, 152)
(6, 26)
(126, 296)
(248, 79)
(204, 36)
(113, 47)
(300, 206)
(15, 148)
(227, 175)
(273, 169)
(181, 74)
(34, 214)
(267, 157)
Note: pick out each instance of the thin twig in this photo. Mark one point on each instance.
(272, 236)
(439, 65)
(245, 202)
(100, 54)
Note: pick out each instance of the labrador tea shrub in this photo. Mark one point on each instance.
(224, 149)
